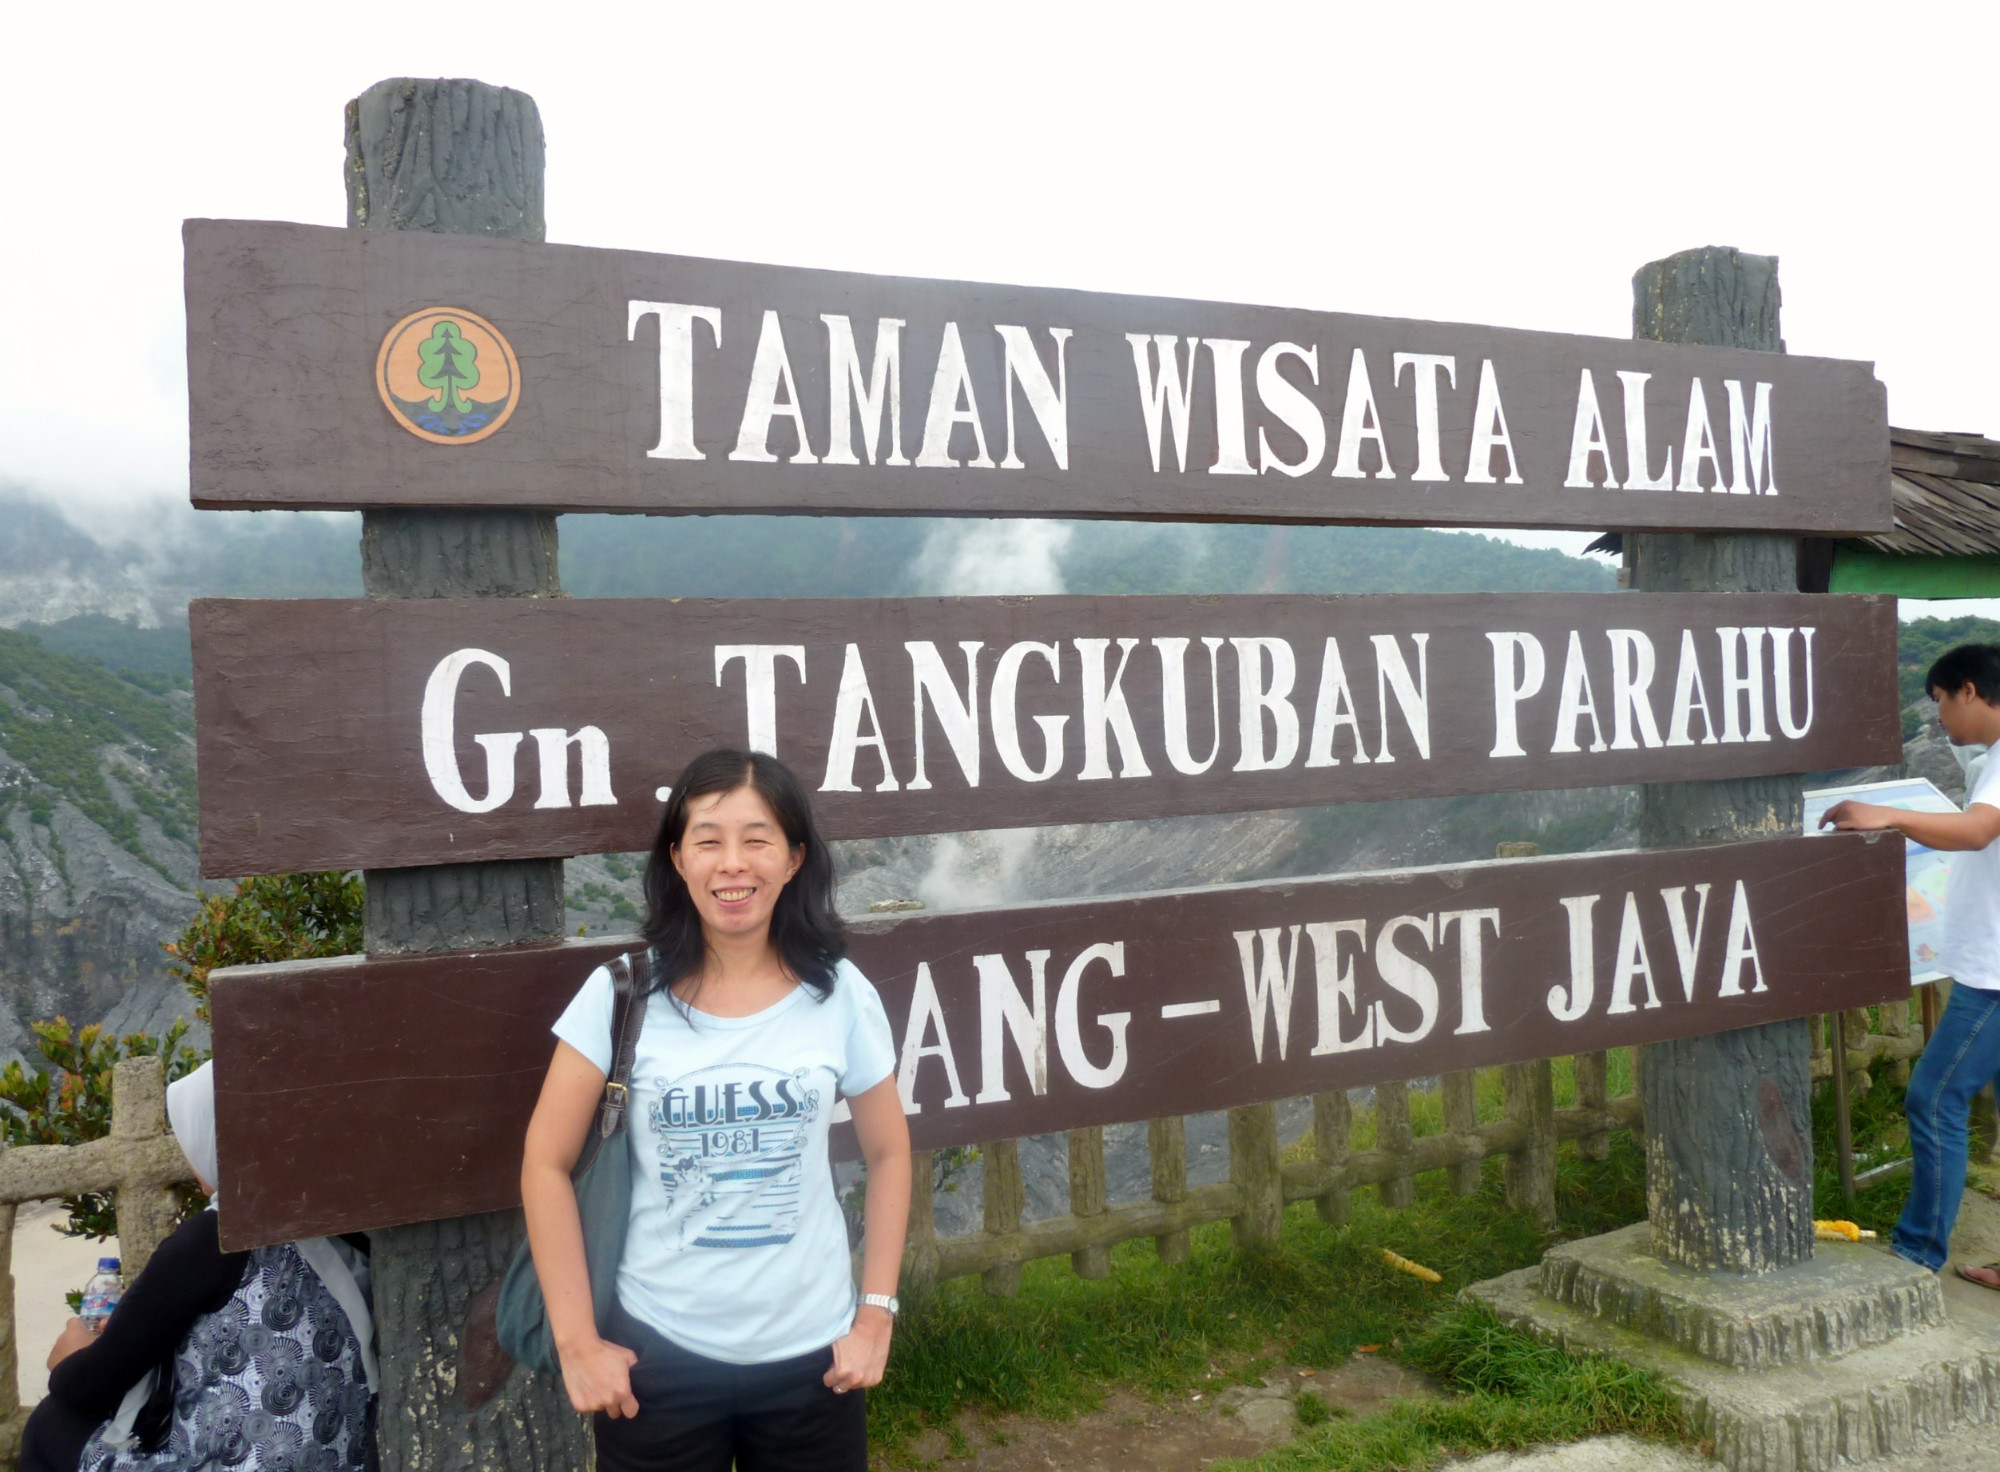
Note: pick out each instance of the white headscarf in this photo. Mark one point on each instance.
(191, 1113)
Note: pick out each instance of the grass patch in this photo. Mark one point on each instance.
(1054, 1349)
(1511, 1393)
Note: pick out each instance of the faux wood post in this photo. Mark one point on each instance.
(1395, 1138)
(1089, 1194)
(1333, 1143)
(1005, 1197)
(1896, 1024)
(139, 1112)
(1729, 1115)
(1254, 1168)
(1529, 1094)
(11, 1416)
(1593, 1093)
(1166, 1145)
(920, 1249)
(455, 157)
(1460, 1095)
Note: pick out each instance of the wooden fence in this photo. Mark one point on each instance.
(142, 1165)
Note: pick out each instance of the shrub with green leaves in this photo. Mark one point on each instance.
(279, 917)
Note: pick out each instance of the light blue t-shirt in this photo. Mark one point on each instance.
(736, 1248)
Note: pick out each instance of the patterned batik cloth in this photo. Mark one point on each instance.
(270, 1382)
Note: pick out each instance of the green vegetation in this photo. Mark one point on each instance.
(63, 715)
(1325, 1293)
(157, 660)
(69, 1102)
(1508, 1393)
(279, 917)
(1921, 641)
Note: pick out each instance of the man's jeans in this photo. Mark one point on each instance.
(1963, 1057)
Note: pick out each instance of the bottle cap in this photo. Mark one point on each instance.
(107, 1264)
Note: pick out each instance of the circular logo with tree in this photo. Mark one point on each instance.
(448, 376)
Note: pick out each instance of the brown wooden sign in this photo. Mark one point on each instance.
(342, 368)
(339, 1109)
(382, 734)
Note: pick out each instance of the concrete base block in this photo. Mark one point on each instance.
(1808, 1415)
(1835, 1304)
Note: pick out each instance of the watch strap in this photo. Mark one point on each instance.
(883, 1301)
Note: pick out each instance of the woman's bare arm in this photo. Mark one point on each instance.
(596, 1373)
(861, 1355)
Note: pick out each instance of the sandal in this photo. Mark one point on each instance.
(1986, 1275)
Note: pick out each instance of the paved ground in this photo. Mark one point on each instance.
(46, 1266)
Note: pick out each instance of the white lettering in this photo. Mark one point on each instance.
(1170, 390)
(1689, 696)
(1582, 962)
(1430, 457)
(1332, 709)
(437, 727)
(1633, 964)
(1471, 965)
(1407, 975)
(1588, 438)
(1489, 432)
(1049, 402)
(855, 701)
(1004, 1013)
(1750, 450)
(760, 685)
(1293, 409)
(1740, 949)
(1509, 690)
(1746, 680)
(1577, 702)
(926, 1012)
(1687, 947)
(958, 716)
(1359, 421)
(677, 321)
(1632, 666)
(1781, 679)
(593, 752)
(1069, 1036)
(1266, 989)
(1174, 703)
(1413, 697)
(770, 375)
(1254, 699)
(1231, 441)
(949, 384)
(1698, 444)
(1334, 980)
(848, 395)
(1006, 719)
(1637, 476)
(1104, 707)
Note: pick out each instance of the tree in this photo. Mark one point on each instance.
(450, 367)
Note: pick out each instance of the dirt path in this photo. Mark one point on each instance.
(1130, 1433)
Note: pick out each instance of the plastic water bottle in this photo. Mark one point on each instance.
(101, 1294)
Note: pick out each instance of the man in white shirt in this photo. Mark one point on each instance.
(1963, 1055)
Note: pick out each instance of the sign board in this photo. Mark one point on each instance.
(1926, 871)
(338, 1110)
(379, 733)
(343, 368)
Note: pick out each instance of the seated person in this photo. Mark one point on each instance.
(250, 1360)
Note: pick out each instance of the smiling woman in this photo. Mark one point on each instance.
(736, 1336)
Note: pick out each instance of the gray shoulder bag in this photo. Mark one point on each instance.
(603, 1181)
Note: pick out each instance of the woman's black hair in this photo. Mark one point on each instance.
(806, 929)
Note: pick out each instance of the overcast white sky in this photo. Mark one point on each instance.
(1508, 164)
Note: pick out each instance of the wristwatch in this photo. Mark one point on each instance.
(882, 1300)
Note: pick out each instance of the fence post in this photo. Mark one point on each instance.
(1529, 1089)
(1593, 1093)
(11, 1417)
(139, 1112)
(1254, 1167)
(1000, 1173)
(1333, 1124)
(1395, 1138)
(920, 1251)
(1166, 1144)
(1460, 1093)
(1896, 1024)
(1087, 1197)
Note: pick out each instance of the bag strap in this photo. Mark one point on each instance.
(628, 1018)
